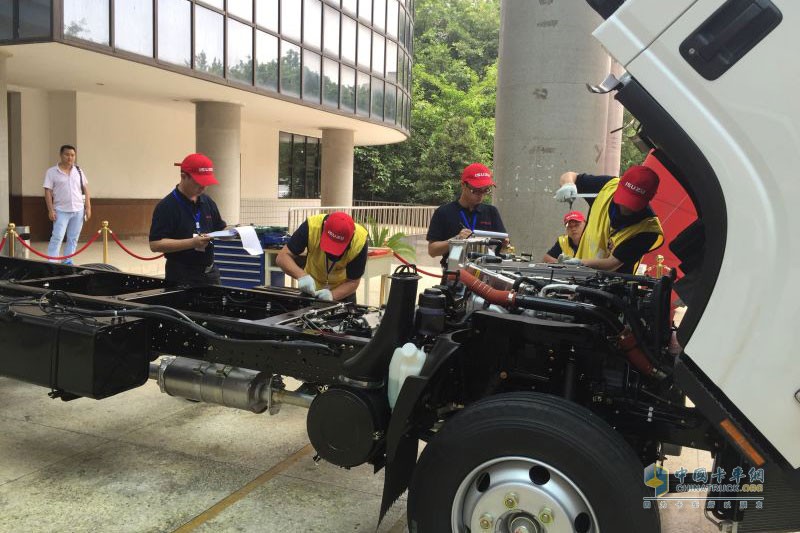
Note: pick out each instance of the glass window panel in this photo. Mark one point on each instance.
(87, 19)
(348, 39)
(365, 11)
(267, 14)
(379, 14)
(298, 166)
(401, 35)
(362, 94)
(391, 103)
(378, 49)
(330, 82)
(312, 168)
(240, 52)
(391, 60)
(311, 76)
(391, 18)
(290, 69)
(349, 6)
(285, 165)
(133, 26)
(241, 8)
(175, 32)
(290, 19)
(409, 33)
(377, 98)
(208, 42)
(348, 93)
(330, 35)
(219, 4)
(266, 61)
(364, 46)
(34, 19)
(312, 23)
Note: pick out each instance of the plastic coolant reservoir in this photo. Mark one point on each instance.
(406, 361)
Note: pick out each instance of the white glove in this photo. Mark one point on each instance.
(567, 193)
(307, 285)
(324, 294)
(569, 260)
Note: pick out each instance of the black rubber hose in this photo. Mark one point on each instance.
(577, 309)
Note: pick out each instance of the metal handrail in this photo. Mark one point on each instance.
(409, 219)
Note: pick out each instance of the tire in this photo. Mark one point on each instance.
(543, 452)
(102, 266)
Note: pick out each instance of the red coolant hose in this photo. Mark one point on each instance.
(485, 291)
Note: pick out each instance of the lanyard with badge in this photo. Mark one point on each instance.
(466, 222)
(195, 213)
(328, 267)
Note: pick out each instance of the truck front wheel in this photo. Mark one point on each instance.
(525, 462)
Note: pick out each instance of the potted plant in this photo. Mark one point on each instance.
(380, 237)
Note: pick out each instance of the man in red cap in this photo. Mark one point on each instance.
(336, 256)
(567, 244)
(621, 227)
(459, 218)
(181, 220)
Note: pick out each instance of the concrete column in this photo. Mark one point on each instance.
(5, 205)
(613, 150)
(337, 167)
(218, 135)
(546, 120)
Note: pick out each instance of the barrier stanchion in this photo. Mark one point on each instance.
(418, 269)
(113, 236)
(11, 232)
(56, 258)
(104, 229)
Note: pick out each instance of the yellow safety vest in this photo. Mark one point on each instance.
(317, 263)
(599, 239)
(566, 248)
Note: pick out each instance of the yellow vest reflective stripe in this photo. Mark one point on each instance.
(599, 239)
(317, 266)
(566, 249)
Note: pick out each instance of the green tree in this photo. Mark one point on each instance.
(454, 82)
(631, 154)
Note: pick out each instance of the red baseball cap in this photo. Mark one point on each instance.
(337, 231)
(636, 188)
(200, 168)
(574, 215)
(477, 176)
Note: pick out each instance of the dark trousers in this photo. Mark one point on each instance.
(183, 274)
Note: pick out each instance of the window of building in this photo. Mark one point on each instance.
(365, 11)
(219, 4)
(362, 94)
(378, 49)
(377, 98)
(349, 6)
(311, 76)
(25, 19)
(267, 14)
(87, 20)
(175, 32)
(240, 52)
(266, 61)
(330, 36)
(241, 8)
(391, 60)
(364, 46)
(133, 27)
(348, 39)
(379, 14)
(312, 23)
(391, 103)
(391, 18)
(348, 89)
(208, 41)
(290, 19)
(299, 168)
(290, 69)
(330, 82)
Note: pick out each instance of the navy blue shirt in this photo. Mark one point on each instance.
(449, 219)
(177, 217)
(299, 243)
(631, 251)
(555, 251)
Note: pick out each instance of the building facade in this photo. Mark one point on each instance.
(276, 92)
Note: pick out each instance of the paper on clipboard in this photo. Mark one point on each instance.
(247, 234)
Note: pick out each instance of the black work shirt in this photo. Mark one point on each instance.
(298, 244)
(174, 218)
(449, 219)
(555, 251)
(631, 251)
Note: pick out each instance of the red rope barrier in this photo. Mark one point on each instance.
(418, 269)
(131, 253)
(60, 257)
(2, 243)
